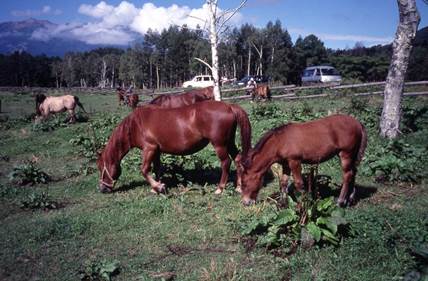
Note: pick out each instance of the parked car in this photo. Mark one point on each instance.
(257, 78)
(320, 74)
(199, 81)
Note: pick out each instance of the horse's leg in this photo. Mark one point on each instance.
(347, 163)
(157, 166)
(222, 153)
(296, 170)
(354, 187)
(148, 155)
(72, 116)
(234, 153)
(283, 181)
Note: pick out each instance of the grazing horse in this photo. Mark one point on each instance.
(47, 105)
(179, 131)
(187, 98)
(261, 92)
(129, 99)
(120, 95)
(309, 143)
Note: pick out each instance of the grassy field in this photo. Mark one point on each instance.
(67, 230)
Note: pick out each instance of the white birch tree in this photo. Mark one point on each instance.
(402, 46)
(217, 24)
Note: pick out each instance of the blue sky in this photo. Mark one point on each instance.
(339, 23)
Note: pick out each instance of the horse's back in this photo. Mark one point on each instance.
(320, 139)
(184, 129)
(59, 103)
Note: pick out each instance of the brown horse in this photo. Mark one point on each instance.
(129, 99)
(187, 98)
(309, 143)
(120, 95)
(261, 92)
(178, 131)
(47, 105)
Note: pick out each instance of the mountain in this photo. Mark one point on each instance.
(18, 36)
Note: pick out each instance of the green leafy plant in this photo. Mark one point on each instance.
(28, 173)
(99, 270)
(307, 222)
(96, 136)
(395, 161)
(39, 201)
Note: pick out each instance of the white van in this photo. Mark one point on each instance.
(320, 74)
(200, 81)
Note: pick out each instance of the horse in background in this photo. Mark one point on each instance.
(47, 105)
(314, 142)
(127, 97)
(261, 92)
(187, 98)
(120, 95)
(178, 131)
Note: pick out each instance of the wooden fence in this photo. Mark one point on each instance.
(282, 92)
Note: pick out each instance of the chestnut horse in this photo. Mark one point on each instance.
(261, 92)
(309, 143)
(179, 131)
(47, 105)
(187, 98)
(129, 99)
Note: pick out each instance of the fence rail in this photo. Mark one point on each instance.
(286, 91)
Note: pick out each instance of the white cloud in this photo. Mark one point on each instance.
(120, 24)
(45, 10)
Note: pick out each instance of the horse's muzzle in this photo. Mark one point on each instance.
(248, 202)
(104, 188)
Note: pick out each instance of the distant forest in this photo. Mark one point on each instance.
(166, 59)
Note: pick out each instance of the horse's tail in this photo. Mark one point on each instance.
(76, 100)
(245, 128)
(363, 145)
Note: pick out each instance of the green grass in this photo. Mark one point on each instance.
(190, 232)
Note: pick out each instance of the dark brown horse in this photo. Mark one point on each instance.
(187, 98)
(129, 99)
(309, 143)
(178, 131)
(120, 95)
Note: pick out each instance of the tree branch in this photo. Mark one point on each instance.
(204, 62)
(259, 52)
(232, 14)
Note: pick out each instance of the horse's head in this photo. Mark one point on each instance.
(251, 180)
(109, 172)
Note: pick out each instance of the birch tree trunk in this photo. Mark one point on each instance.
(249, 60)
(214, 46)
(103, 74)
(402, 45)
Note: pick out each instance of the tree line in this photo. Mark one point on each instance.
(166, 59)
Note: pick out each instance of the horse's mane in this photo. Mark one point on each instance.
(40, 98)
(120, 137)
(268, 135)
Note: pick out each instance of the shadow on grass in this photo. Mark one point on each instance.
(324, 188)
(182, 178)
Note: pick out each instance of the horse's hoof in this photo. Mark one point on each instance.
(160, 188)
(238, 189)
(341, 203)
(218, 191)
